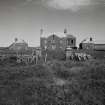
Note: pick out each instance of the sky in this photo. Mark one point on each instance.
(24, 19)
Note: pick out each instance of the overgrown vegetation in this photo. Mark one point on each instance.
(56, 83)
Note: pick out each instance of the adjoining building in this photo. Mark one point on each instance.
(57, 41)
(89, 44)
(18, 45)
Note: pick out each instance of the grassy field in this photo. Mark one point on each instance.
(54, 83)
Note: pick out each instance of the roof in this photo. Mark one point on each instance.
(87, 40)
(70, 36)
(20, 42)
(59, 34)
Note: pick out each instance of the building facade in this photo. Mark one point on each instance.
(58, 42)
(87, 44)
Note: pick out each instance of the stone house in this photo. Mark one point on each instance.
(87, 44)
(58, 41)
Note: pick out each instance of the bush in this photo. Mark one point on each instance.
(27, 85)
(57, 55)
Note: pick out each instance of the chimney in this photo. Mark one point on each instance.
(41, 32)
(65, 31)
(16, 39)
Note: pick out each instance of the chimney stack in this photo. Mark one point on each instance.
(65, 31)
(41, 32)
(16, 39)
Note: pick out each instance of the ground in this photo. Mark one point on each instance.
(54, 83)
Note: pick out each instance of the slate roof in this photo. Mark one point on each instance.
(59, 34)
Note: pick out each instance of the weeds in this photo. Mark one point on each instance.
(36, 84)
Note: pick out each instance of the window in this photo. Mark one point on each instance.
(53, 47)
(69, 42)
(72, 41)
(45, 47)
(45, 41)
(52, 41)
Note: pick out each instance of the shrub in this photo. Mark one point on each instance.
(27, 85)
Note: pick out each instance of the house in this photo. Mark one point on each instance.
(87, 44)
(58, 41)
(18, 45)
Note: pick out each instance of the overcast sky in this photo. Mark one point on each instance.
(24, 19)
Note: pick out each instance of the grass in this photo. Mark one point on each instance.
(56, 83)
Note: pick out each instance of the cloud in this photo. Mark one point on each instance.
(73, 5)
(26, 2)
